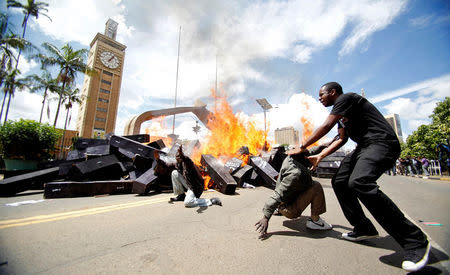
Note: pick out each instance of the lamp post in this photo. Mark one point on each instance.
(265, 106)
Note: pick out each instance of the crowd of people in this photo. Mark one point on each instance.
(412, 166)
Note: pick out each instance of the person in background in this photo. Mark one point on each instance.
(425, 164)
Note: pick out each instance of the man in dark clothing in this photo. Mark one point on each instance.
(376, 151)
(186, 176)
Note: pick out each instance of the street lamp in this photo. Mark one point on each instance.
(266, 106)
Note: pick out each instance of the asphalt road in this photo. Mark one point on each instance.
(145, 234)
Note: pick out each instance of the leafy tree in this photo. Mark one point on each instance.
(44, 82)
(424, 141)
(30, 8)
(70, 97)
(70, 62)
(8, 42)
(11, 82)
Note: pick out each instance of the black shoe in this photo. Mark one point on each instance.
(415, 259)
(355, 236)
(216, 201)
(178, 198)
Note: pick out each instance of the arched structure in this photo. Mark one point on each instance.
(133, 126)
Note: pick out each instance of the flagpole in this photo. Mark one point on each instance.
(176, 80)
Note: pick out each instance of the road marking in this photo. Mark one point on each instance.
(77, 213)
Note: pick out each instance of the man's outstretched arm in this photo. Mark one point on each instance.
(336, 144)
(317, 134)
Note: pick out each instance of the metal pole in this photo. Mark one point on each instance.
(176, 80)
(264, 121)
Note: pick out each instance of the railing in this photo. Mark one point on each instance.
(435, 168)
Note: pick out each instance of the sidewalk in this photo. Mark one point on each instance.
(431, 177)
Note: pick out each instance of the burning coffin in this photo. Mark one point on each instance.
(265, 171)
(219, 174)
(242, 174)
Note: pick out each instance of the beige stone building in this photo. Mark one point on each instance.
(286, 135)
(394, 121)
(98, 111)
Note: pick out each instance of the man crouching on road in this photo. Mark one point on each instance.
(187, 176)
(294, 191)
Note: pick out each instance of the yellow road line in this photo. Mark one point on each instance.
(74, 214)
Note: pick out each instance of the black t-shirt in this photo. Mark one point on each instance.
(363, 123)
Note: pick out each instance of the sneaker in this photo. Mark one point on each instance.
(318, 225)
(417, 258)
(356, 236)
(178, 198)
(216, 201)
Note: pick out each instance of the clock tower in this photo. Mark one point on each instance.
(101, 90)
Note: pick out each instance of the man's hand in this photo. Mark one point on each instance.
(296, 150)
(314, 161)
(156, 155)
(261, 227)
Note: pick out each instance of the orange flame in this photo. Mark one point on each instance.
(158, 130)
(228, 133)
(308, 126)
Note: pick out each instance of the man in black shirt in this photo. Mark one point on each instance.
(376, 151)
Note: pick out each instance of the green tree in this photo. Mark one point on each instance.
(30, 8)
(424, 140)
(8, 42)
(70, 97)
(44, 82)
(70, 62)
(12, 82)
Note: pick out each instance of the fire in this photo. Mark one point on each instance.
(308, 126)
(158, 130)
(228, 133)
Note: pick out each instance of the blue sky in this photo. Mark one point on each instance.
(397, 51)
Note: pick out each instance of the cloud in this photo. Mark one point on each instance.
(435, 87)
(236, 32)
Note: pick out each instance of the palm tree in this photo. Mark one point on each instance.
(70, 62)
(8, 42)
(69, 97)
(9, 86)
(30, 8)
(44, 82)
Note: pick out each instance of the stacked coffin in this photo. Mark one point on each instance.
(130, 164)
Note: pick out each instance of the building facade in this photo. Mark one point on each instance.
(394, 121)
(286, 135)
(101, 90)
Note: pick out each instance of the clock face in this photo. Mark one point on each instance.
(109, 60)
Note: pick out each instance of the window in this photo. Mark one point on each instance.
(103, 100)
(104, 91)
(100, 119)
(102, 109)
(106, 82)
(107, 73)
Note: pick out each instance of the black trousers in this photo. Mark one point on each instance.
(356, 179)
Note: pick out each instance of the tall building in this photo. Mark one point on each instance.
(286, 135)
(101, 90)
(394, 121)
